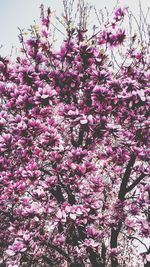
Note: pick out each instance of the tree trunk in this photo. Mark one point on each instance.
(114, 241)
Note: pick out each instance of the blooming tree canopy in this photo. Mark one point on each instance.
(74, 147)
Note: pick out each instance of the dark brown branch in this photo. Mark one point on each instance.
(58, 194)
(133, 237)
(122, 192)
(114, 242)
(148, 262)
(45, 171)
(136, 182)
(59, 250)
(81, 135)
(71, 196)
(103, 253)
(94, 258)
(126, 177)
(76, 264)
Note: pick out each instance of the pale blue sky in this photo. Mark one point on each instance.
(22, 13)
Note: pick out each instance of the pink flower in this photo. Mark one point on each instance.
(44, 31)
(17, 246)
(90, 243)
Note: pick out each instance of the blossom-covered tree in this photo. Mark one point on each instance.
(74, 147)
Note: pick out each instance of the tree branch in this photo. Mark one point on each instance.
(81, 135)
(133, 237)
(126, 177)
(136, 182)
(59, 250)
(94, 258)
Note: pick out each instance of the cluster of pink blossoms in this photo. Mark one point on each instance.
(74, 152)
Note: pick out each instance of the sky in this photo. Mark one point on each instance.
(22, 13)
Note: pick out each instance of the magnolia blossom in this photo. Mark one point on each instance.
(74, 148)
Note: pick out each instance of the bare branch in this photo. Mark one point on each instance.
(136, 182)
(126, 177)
